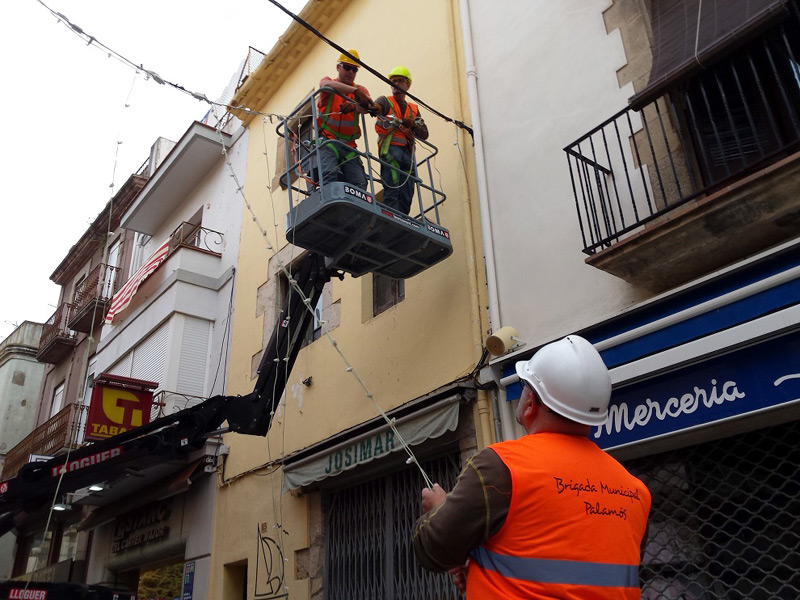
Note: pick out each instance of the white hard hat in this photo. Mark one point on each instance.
(571, 379)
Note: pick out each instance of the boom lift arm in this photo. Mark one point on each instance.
(189, 428)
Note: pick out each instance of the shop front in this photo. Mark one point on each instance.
(705, 409)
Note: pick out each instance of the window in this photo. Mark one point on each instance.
(744, 111)
(137, 256)
(31, 553)
(314, 330)
(369, 530)
(58, 400)
(386, 293)
(110, 275)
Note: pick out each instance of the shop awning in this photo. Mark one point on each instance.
(689, 35)
(172, 485)
(378, 442)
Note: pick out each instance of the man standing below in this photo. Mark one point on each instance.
(397, 125)
(549, 515)
(338, 121)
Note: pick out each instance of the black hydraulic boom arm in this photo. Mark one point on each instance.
(187, 429)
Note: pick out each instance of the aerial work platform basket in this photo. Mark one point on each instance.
(349, 225)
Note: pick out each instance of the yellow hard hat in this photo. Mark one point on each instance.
(400, 72)
(343, 58)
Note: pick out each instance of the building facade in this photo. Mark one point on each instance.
(88, 275)
(642, 193)
(387, 365)
(20, 384)
(134, 517)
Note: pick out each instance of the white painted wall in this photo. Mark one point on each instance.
(546, 75)
(190, 283)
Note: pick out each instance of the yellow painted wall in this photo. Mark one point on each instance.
(429, 339)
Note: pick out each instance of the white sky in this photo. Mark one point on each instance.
(64, 112)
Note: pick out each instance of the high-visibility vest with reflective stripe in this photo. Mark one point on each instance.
(333, 123)
(384, 127)
(574, 526)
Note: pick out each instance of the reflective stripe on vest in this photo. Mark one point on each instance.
(335, 124)
(386, 129)
(574, 526)
(568, 572)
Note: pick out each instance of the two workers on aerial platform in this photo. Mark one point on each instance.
(398, 125)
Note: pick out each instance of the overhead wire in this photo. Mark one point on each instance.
(93, 41)
(377, 74)
(306, 301)
(100, 285)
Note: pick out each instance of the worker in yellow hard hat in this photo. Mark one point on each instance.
(338, 121)
(398, 125)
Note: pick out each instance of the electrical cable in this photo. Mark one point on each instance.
(100, 285)
(383, 78)
(306, 301)
(93, 41)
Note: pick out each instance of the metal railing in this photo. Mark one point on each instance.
(729, 121)
(56, 326)
(62, 431)
(101, 284)
(190, 235)
(166, 403)
(304, 140)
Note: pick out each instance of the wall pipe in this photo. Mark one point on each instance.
(487, 235)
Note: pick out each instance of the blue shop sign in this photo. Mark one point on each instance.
(755, 378)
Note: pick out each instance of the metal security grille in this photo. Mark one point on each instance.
(368, 553)
(725, 521)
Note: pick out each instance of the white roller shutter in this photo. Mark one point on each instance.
(150, 357)
(123, 366)
(194, 357)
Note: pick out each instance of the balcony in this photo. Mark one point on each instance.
(57, 339)
(700, 178)
(189, 235)
(63, 431)
(92, 298)
(166, 403)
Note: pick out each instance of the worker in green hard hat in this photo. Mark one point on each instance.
(398, 125)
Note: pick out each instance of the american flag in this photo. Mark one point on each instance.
(123, 297)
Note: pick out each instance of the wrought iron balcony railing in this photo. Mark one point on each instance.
(731, 120)
(64, 430)
(166, 403)
(100, 284)
(92, 296)
(57, 338)
(189, 235)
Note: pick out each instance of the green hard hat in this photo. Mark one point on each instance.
(400, 72)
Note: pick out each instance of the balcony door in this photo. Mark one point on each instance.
(109, 279)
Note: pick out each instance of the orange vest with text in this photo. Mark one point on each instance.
(574, 526)
(400, 136)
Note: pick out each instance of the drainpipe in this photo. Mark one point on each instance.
(500, 408)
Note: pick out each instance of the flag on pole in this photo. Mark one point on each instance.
(123, 297)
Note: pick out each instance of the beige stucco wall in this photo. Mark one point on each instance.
(429, 339)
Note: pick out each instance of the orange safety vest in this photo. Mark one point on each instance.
(335, 124)
(574, 526)
(398, 136)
